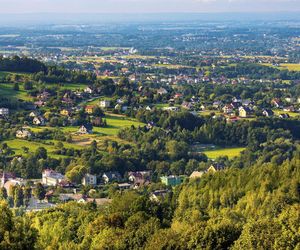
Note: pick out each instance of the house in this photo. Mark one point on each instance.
(104, 104)
(23, 133)
(39, 121)
(158, 195)
(111, 176)
(88, 90)
(276, 102)
(66, 112)
(52, 178)
(43, 96)
(123, 186)
(268, 112)
(284, 116)
(89, 109)
(139, 178)
(215, 167)
(228, 109)
(187, 105)
(289, 109)
(245, 112)
(4, 111)
(162, 91)
(85, 129)
(217, 104)
(89, 180)
(34, 114)
(6, 176)
(171, 180)
(196, 174)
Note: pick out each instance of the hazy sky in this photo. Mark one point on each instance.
(142, 6)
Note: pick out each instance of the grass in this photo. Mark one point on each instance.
(291, 114)
(290, 66)
(283, 66)
(18, 144)
(229, 152)
(6, 90)
(114, 124)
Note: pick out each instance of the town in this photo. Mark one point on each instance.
(156, 135)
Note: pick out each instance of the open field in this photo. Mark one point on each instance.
(291, 114)
(6, 89)
(18, 144)
(291, 66)
(288, 66)
(114, 124)
(230, 152)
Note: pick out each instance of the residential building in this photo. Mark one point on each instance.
(139, 178)
(111, 176)
(52, 178)
(171, 180)
(196, 174)
(4, 111)
(85, 129)
(89, 180)
(23, 133)
(104, 104)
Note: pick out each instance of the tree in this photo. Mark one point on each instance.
(16, 86)
(41, 153)
(39, 192)
(28, 85)
(3, 193)
(18, 196)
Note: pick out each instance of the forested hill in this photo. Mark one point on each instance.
(251, 208)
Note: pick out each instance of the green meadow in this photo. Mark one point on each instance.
(229, 152)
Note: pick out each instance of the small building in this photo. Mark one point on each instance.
(171, 180)
(196, 174)
(284, 116)
(89, 180)
(124, 186)
(245, 112)
(139, 178)
(104, 104)
(159, 195)
(162, 91)
(268, 112)
(52, 178)
(39, 121)
(4, 111)
(216, 167)
(23, 134)
(90, 109)
(85, 129)
(88, 90)
(111, 176)
(228, 109)
(66, 112)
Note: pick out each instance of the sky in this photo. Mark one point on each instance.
(146, 6)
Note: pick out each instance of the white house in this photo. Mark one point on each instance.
(104, 104)
(23, 133)
(4, 111)
(89, 179)
(51, 177)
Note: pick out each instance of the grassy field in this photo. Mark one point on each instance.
(114, 124)
(6, 89)
(291, 114)
(288, 66)
(18, 144)
(230, 152)
(291, 66)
